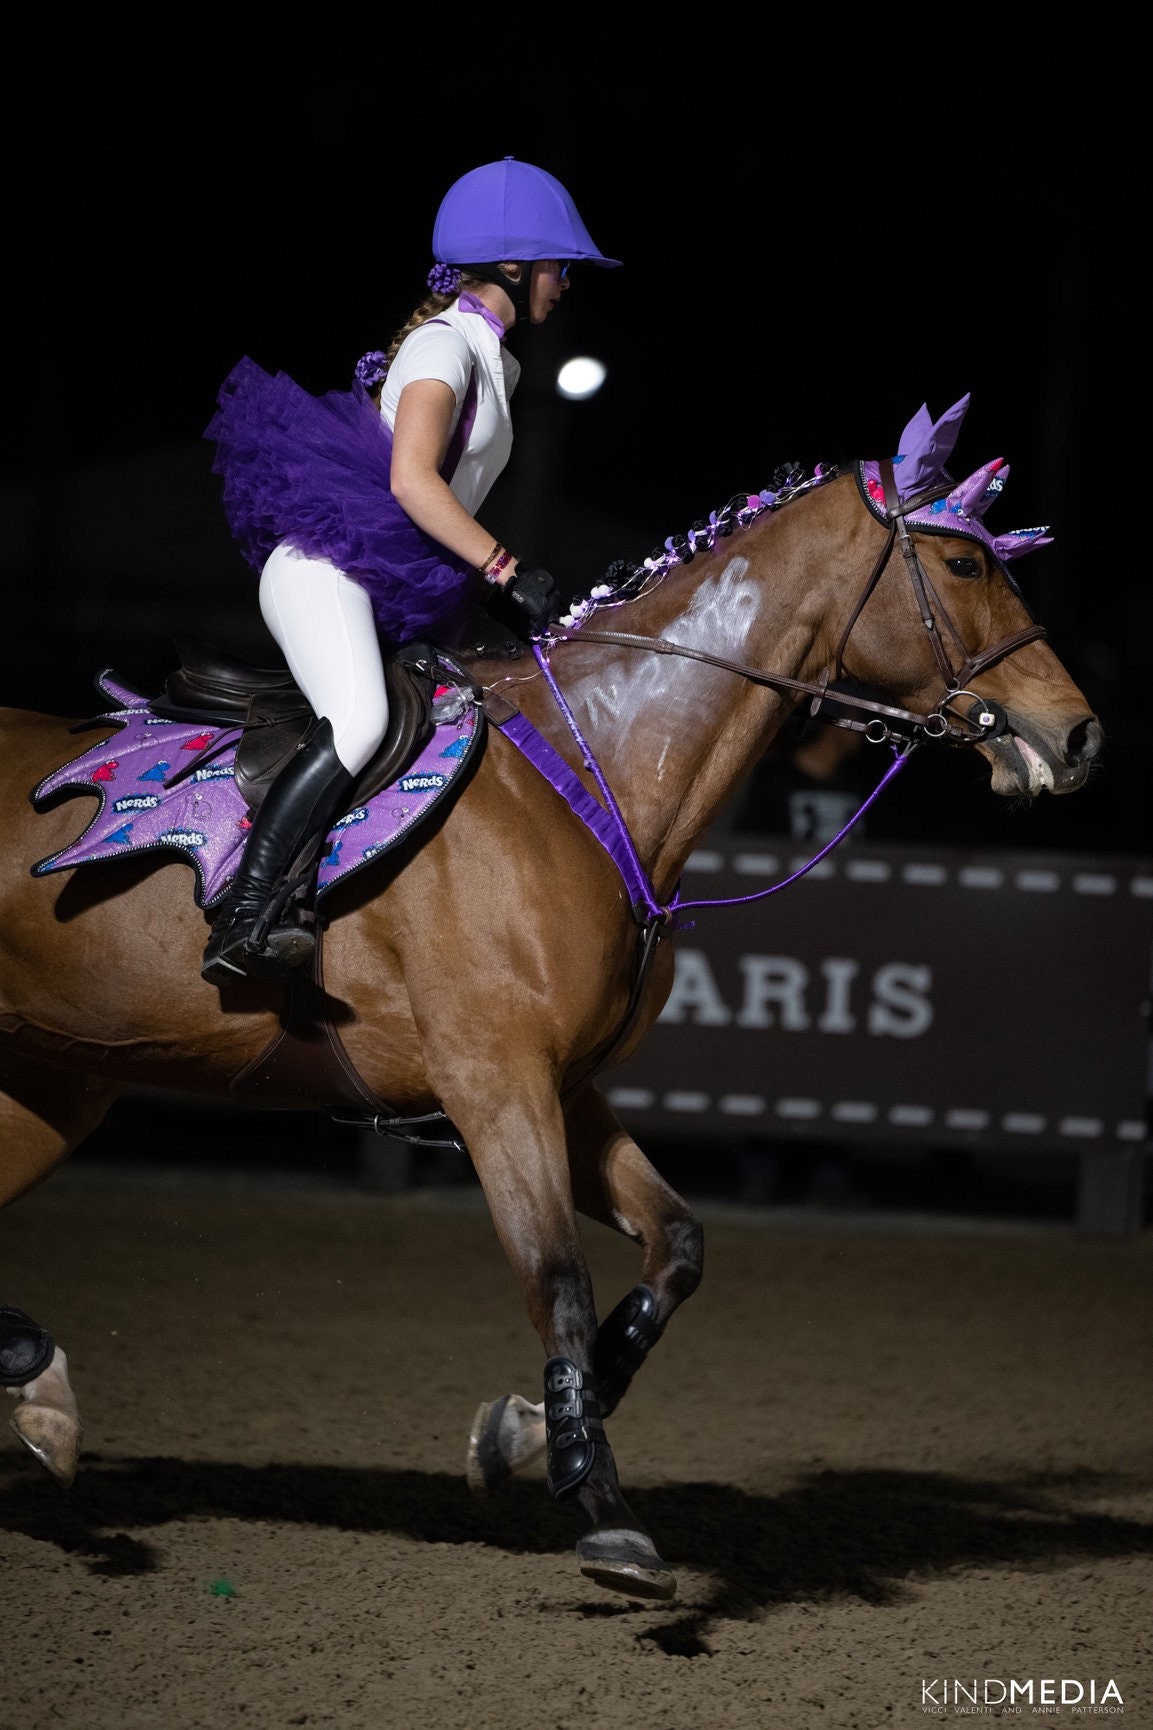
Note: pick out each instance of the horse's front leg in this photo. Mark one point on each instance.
(519, 1151)
(616, 1185)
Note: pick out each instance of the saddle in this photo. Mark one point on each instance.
(267, 704)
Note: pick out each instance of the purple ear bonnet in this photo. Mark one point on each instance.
(925, 448)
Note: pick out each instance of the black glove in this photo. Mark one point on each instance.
(535, 593)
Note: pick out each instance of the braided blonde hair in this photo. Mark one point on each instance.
(433, 304)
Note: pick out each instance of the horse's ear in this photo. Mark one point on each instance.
(926, 446)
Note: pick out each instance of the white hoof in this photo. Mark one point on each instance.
(47, 1422)
(507, 1437)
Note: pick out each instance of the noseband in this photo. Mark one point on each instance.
(981, 720)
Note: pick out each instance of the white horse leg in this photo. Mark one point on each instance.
(47, 1421)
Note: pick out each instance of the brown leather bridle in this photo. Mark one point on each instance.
(981, 720)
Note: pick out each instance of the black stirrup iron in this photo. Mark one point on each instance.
(573, 1427)
(624, 1340)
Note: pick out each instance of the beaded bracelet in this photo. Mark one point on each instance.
(498, 560)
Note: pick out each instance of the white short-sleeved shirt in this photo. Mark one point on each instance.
(454, 347)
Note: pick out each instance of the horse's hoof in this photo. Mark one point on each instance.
(507, 1436)
(626, 1561)
(53, 1436)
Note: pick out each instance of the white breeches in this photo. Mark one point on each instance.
(324, 625)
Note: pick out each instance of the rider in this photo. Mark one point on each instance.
(358, 509)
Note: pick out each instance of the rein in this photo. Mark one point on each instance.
(935, 725)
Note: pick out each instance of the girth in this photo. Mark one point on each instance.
(305, 1067)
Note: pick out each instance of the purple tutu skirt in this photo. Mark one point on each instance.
(315, 471)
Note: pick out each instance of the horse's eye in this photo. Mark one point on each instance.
(965, 567)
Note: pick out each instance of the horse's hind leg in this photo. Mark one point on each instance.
(615, 1184)
(44, 1114)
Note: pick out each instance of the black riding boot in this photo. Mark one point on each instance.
(294, 816)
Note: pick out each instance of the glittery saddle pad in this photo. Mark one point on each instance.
(148, 806)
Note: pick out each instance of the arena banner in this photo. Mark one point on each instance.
(902, 994)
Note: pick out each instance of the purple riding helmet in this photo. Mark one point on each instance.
(504, 212)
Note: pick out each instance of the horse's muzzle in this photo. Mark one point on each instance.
(1031, 758)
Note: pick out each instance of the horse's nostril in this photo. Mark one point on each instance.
(1085, 741)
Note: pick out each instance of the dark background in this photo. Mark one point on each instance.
(812, 249)
(821, 229)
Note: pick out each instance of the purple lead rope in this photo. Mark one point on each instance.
(900, 758)
(619, 843)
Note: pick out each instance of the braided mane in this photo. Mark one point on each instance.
(626, 580)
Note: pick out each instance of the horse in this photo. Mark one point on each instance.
(490, 968)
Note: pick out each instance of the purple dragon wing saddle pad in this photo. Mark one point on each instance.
(204, 817)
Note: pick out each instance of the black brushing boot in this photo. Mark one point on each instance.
(572, 1424)
(296, 812)
(624, 1340)
(26, 1349)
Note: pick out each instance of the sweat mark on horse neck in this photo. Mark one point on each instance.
(717, 617)
(721, 608)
